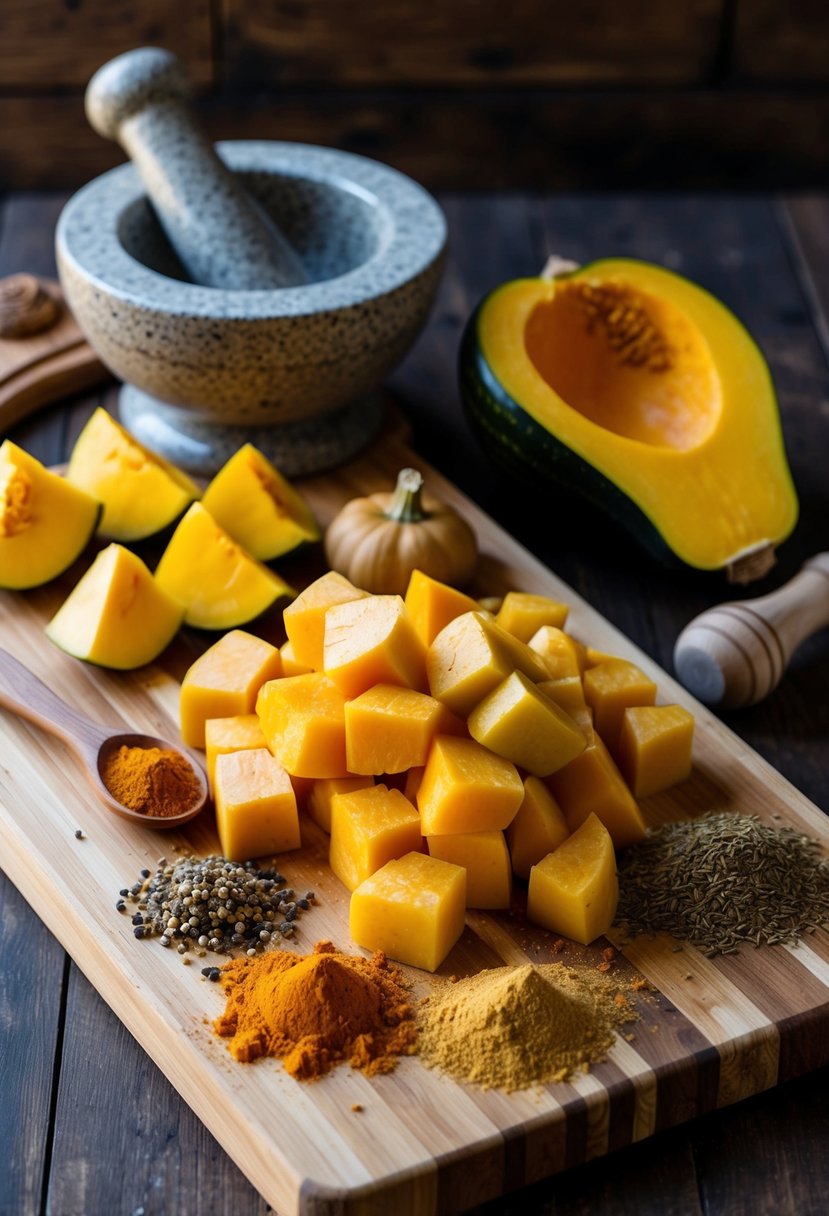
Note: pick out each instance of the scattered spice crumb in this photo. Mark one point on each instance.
(609, 954)
(688, 976)
(558, 945)
(357, 1108)
(605, 966)
(629, 1038)
(79, 834)
(640, 984)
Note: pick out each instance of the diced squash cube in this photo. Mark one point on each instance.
(371, 641)
(485, 858)
(224, 681)
(432, 604)
(562, 654)
(467, 788)
(413, 909)
(389, 729)
(290, 664)
(471, 656)
(412, 784)
(612, 687)
(518, 722)
(368, 828)
(655, 747)
(239, 733)
(574, 890)
(305, 618)
(592, 784)
(303, 720)
(256, 810)
(522, 614)
(567, 692)
(318, 803)
(537, 829)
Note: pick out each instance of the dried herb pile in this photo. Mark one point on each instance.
(724, 880)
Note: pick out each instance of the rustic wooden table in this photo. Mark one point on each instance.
(87, 1123)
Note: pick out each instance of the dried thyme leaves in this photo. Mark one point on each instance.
(210, 903)
(723, 880)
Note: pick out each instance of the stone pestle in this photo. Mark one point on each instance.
(222, 236)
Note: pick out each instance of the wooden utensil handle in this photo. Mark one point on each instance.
(23, 693)
(736, 653)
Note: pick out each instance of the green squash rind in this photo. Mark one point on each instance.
(511, 437)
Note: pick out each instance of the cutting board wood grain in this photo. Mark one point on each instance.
(712, 1031)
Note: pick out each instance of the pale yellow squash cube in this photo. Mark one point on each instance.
(413, 909)
(655, 747)
(303, 720)
(537, 829)
(224, 681)
(562, 654)
(431, 605)
(467, 788)
(239, 733)
(612, 687)
(368, 828)
(290, 664)
(256, 811)
(567, 692)
(518, 722)
(485, 857)
(471, 656)
(389, 729)
(522, 614)
(592, 784)
(371, 641)
(318, 802)
(305, 618)
(574, 890)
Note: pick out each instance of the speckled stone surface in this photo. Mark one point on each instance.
(222, 237)
(372, 242)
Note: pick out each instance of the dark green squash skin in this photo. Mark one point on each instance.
(524, 448)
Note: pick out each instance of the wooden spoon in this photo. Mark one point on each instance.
(24, 694)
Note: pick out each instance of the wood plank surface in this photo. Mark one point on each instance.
(423, 1141)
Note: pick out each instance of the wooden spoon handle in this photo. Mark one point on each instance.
(23, 693)
(736, 653)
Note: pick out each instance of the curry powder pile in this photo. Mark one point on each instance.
(511, 1027)
(313, 1011)
(151, 780)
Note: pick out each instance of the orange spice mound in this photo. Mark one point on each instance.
(313, 1011)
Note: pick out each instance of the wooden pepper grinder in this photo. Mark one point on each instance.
(735, 654)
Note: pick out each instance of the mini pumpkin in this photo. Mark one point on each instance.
(377, 541)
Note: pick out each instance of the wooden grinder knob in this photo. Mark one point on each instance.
(736, 653)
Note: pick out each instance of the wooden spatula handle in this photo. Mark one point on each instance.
(736, 653)
(24, 694)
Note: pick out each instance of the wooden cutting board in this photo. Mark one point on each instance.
(712, 1031)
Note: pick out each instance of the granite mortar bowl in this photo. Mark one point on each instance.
(205, 367)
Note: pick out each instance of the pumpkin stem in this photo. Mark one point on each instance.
(555, 267)
(405, 506)
(752, 563)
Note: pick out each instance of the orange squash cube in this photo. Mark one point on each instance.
(389, 729)
(522, 614)
(305, 618)
(432, 604)
(256, 811)
(471, 656)
(567, 692)
(518, 722)
(562, 654)
(368, 828)
(574, 890)
(655, 747)
(612, 687)
(303, 720)
(371, 641)
(290, 665)
(413, 909)
(592, 784)
(537, 829)
(239, 733)
(224, 681)
(485, 858)
(318, 802)
(466, 788)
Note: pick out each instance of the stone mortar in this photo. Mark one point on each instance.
(294, 370)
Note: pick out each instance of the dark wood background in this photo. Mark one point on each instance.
(528, 94)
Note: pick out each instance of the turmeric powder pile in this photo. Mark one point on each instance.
(313, 1011)
(511, 1027)
(151, 780)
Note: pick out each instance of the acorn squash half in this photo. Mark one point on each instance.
(634, 387)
